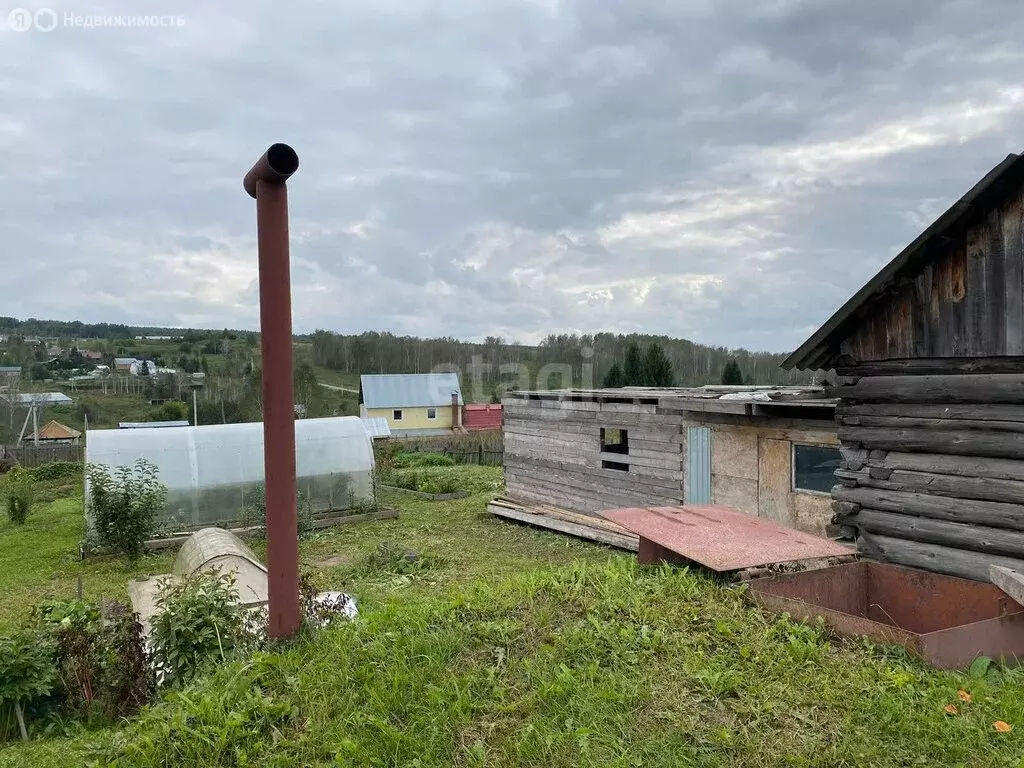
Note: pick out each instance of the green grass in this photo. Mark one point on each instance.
(40, 558)
(337, 378)
(500, 645)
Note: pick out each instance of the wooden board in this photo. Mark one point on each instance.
(1009, 580)
(565, 522)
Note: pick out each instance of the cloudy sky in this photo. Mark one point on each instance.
(723, 170)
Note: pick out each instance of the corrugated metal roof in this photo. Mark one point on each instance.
(376, 426)
(409, 390)
(10, 369)
(124, 360)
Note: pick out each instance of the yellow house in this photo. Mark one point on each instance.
(413, 404)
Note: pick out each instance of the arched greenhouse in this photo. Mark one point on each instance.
(214, 474)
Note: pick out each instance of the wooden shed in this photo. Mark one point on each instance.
(769, 452)
(931, 411)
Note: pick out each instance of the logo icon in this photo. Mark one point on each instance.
(20, 20)
(45, 19)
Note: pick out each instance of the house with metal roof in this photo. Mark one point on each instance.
(413, 404)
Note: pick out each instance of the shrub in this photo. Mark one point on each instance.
(124, 506)
(102, 662)
(196, 624)
(127, 679)
(17, 490)
(74, 627)
(58, 470)
(27, 671)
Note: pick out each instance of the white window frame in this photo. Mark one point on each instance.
(792, 467)
(396, 414)
(432, 413)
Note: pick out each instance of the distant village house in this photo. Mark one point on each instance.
(413, 404)
(55, 433)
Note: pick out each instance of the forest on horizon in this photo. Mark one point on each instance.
(495, 362)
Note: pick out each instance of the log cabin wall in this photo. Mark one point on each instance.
(932, 418)
(933, 470)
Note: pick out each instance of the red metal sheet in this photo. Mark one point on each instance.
(722, 538)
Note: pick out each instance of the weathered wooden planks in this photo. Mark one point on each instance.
(955, 411)
(962, 466)
(912, 422)
(991, 513)
(977, 388)
(932, 366)
(565, 523)
(967, 442)
(1008, 580)
(934, 557)
(1011, 491)
(977, 538)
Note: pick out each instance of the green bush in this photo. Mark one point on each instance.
(102, 663)
(422, 460)
(172, 410)
(17, 491)
(196, 625)
(125, 505)
(27, 671)
(58, 470)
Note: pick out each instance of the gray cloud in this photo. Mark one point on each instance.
(699, 169)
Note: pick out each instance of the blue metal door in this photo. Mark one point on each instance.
(698, 465)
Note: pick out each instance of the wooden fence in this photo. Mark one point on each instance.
(34, 455)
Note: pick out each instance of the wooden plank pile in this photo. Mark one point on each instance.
(565, 521)
(933, 471)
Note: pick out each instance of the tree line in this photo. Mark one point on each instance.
(587, 359)
(75, 329)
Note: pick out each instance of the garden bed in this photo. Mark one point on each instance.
(178, 538)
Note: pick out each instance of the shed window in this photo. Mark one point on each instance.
(814, 467)
(614, 440)
(396, 415)
(431, 413)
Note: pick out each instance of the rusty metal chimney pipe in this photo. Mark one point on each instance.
(265, 181)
